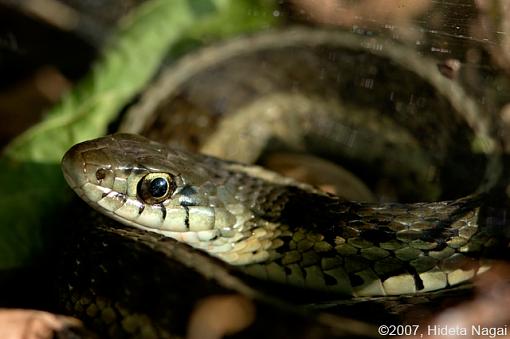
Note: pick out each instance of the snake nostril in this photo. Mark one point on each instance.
(100, 174)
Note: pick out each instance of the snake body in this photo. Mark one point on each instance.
(277, 229)
(360, 101)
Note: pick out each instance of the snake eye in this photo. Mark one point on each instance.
(158, 187)
(155, 187)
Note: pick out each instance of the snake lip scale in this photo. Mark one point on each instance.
(274, 228)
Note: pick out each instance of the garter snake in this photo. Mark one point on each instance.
(277, 229)
(274, 228)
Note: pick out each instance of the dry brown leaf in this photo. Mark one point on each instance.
(32, 324)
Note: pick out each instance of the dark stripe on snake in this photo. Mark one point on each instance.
(163, 211)
(141, 208)
(186, 220)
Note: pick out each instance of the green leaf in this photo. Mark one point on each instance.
(33, 188)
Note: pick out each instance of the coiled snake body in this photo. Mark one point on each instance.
(388, 109)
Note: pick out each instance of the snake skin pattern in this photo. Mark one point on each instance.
(277, 229)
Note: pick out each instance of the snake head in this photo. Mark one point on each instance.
(189, 197)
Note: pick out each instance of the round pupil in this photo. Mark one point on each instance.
(158, 187)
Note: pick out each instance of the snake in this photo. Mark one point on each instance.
(280, 230)
(277, 229)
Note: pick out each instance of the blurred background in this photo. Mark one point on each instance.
(48, 45)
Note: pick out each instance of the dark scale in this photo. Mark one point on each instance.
(188, 196)
(101, 174)
(378, 235)
(188, 190)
